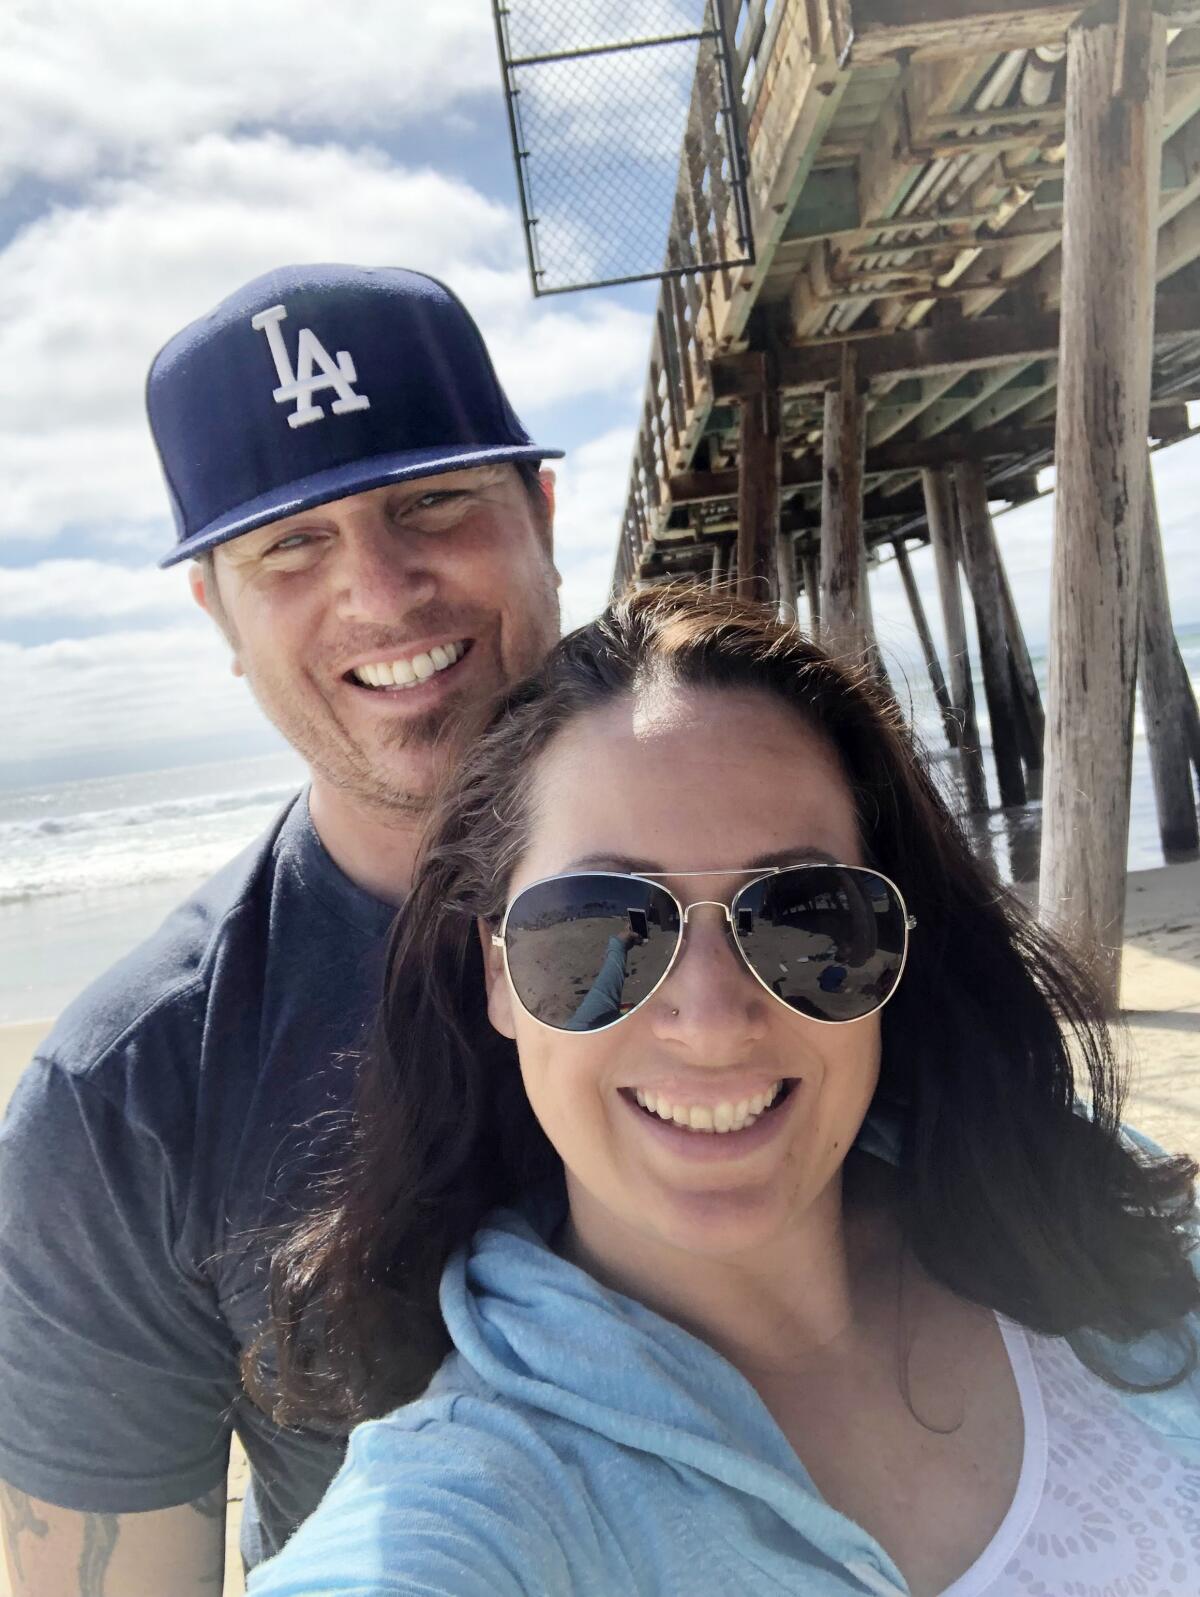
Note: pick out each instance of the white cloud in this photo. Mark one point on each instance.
(161, 247)
(85, 86)
(89, 590)
(592, 484)
(124, 690)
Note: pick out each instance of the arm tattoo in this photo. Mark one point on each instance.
(19, 1520)
(99, 1538)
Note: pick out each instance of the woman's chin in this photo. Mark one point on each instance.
(718, 1225)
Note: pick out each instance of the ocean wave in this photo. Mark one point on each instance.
(137, 815)
(146, 873)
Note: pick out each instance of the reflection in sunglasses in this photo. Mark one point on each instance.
(583, 950)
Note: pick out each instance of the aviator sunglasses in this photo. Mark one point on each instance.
(584, 950)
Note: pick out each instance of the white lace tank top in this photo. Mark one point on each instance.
(1100, 1510)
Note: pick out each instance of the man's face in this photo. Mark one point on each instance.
(375, 631)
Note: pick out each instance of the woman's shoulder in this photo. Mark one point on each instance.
(455, 1495)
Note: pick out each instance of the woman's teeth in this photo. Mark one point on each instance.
(719, 1117)
(410, 672)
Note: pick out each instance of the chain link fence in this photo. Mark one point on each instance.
(629, 155)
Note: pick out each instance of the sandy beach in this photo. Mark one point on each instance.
(1161, 999)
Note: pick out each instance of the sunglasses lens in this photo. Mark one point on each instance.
(585, 950)
(827, 939)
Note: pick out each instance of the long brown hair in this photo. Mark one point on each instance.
(1011, 1197)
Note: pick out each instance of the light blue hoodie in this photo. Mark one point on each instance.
(576, 1444)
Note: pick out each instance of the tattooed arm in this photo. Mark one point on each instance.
(57, 1552)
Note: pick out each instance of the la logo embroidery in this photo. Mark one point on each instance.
(314, 371)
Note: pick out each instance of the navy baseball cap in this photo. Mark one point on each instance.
(314, 382)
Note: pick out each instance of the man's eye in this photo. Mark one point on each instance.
(293, 541)
(438, 499)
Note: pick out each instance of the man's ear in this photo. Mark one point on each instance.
(196, 583)
(199, 577)
(499, 993)
(546, 481)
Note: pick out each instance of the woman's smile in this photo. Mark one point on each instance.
(724, 1131)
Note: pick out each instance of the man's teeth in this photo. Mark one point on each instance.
(409, 672)
(718, 1117)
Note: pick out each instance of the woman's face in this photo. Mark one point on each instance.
(676, 780)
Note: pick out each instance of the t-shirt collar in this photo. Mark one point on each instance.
(323, 877)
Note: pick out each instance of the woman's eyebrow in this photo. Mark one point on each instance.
(612, 862)
(801, 855)
(806, 855)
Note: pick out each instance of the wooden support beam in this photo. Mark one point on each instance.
(720, 565)
(983, 579)
(811, 563)
(1191, 713)
(943, 535)
(952, 27)
(1164, 708)
(1031, 717)
(845, 624)
(943, 449)
(758, 497)
(1115, 75)
(958, 347)
(785, 561)
(932, 664)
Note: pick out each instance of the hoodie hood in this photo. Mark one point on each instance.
(543, 1334)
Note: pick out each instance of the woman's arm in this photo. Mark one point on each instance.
(443, 1510)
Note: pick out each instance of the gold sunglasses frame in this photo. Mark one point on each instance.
(757, 874)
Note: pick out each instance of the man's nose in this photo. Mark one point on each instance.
(710, 1001)
(381, 570)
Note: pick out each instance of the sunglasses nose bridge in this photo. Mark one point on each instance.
(707, 903)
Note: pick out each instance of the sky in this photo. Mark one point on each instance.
(153, 158)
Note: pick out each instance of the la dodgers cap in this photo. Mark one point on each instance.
(314, 382)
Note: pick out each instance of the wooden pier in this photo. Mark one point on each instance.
(977, 226)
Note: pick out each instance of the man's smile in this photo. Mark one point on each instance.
(406, 671)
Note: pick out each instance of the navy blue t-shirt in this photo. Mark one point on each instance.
(177, 1112)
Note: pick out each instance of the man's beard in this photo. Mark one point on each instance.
(366, 773)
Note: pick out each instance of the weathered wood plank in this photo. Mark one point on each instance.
(983, 578)
(1164, 707)
(758, 497)
(1031, 715)
(811, 566)
(954, 27)
(1191, 712)
(943, 535)
(845, 622)
(785, 563)
(977, 342)
(932, 664)
(1112, 174)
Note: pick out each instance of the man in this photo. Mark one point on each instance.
(374, 539)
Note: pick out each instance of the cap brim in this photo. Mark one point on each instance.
(339, 481)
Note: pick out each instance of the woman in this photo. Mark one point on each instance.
(732, 1113)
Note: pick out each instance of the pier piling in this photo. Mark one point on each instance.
(1114, 107)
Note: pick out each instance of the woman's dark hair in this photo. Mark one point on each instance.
(1009, 1195)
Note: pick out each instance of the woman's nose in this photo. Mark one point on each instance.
(710, 999)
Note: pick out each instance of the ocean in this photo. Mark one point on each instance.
(89, 867)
